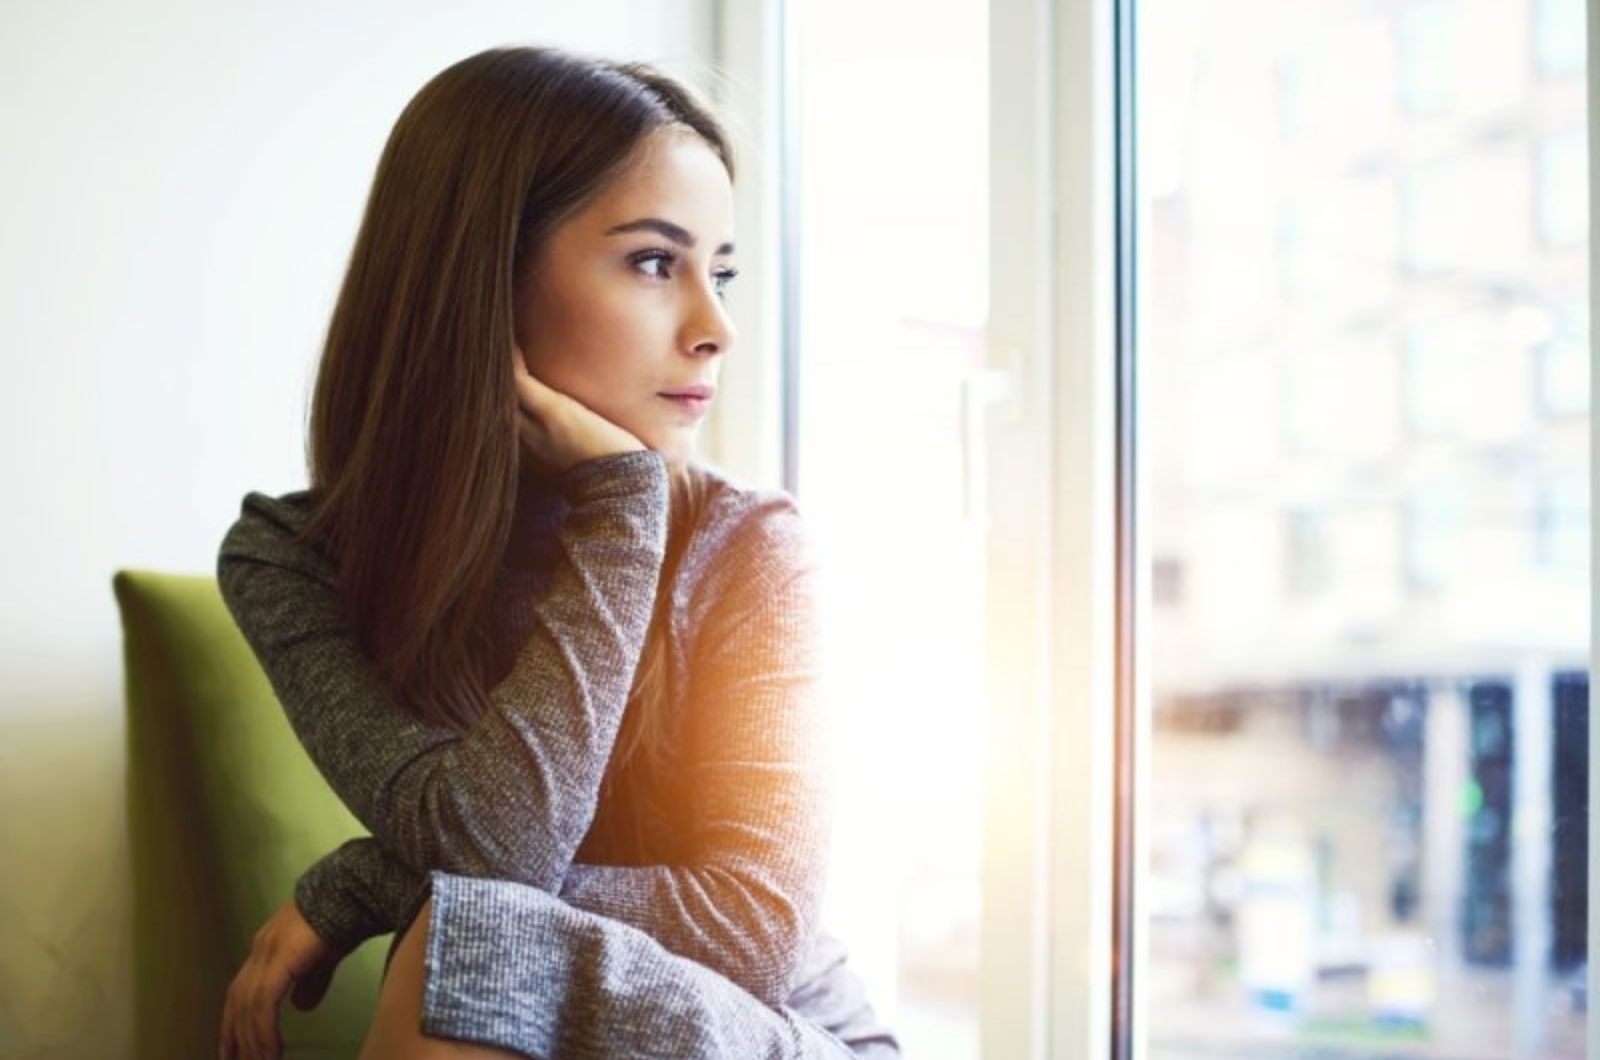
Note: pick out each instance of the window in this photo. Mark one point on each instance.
(1306, 559)
(1434, 520)
(1342, 739)
(1558, 36)
(1563, 525)
(1564, 363)
(1563, 189)
(1428, 56)
(891, 193)
(1429, 362)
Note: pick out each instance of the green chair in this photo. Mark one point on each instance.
(224, 811)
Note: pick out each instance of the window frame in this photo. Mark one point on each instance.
(1056, 941)
(751, 431)
(1593, 76)
(1059, 634)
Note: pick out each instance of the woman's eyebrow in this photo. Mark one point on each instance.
(677, 233)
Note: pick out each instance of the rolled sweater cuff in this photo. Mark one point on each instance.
(618, 474)
(338, 921)
(500, 969)
(511, 966)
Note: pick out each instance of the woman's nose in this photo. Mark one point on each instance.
(709, 327)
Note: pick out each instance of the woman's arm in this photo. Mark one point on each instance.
(745, 900)
(358, 890)
(514, 796)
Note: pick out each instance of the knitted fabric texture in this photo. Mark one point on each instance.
(545, 938)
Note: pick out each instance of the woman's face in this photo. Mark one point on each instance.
(624, 301)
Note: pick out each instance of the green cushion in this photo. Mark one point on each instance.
(224, 811)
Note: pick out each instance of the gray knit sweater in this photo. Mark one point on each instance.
(718, 895)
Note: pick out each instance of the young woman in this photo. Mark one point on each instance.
(563, 673)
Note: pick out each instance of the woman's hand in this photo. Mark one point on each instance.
(559, 431)
(286, 953)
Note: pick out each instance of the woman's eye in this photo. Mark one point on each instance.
(654, 257)
(665, 259)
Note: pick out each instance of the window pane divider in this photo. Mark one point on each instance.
(1050, 486)
(1592, 969)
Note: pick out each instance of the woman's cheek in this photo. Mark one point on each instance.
(577, 339)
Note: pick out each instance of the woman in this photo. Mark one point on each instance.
(564, 674)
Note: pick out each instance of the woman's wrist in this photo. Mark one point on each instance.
(614, 473)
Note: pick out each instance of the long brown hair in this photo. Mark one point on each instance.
(412, 445)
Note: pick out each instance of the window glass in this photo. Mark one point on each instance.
(891, 182)
(1363, 398)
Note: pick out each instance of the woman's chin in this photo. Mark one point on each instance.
(677, 446)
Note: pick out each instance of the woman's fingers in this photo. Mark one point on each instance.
(284, 948)
(559, 430)
(244, 1028)
(235, 1043)
(269, 992)
(244, 1023)
(226, 1048)
(529, 389)
(250, 1012)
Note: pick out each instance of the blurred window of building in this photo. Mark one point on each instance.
(1429, 56)
(1558, 36)
(1363, 376)
(1563, 200)
(1564, 362)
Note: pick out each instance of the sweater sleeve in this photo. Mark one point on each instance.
(358, 890)
(745, 900)
(514, 796)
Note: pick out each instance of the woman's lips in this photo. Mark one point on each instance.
(695, 406)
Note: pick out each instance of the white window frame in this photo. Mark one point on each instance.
(1046, 421)
(750, 430)
(1046, 934)
(1593, 74)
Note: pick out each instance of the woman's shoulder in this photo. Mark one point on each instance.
(749, 523)
(290, 510)
(268, 529)
(747, 535)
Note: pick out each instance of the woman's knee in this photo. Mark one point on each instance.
(396, 1029)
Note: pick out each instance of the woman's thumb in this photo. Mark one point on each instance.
(308, 992)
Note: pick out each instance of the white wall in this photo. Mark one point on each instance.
(180, 185)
